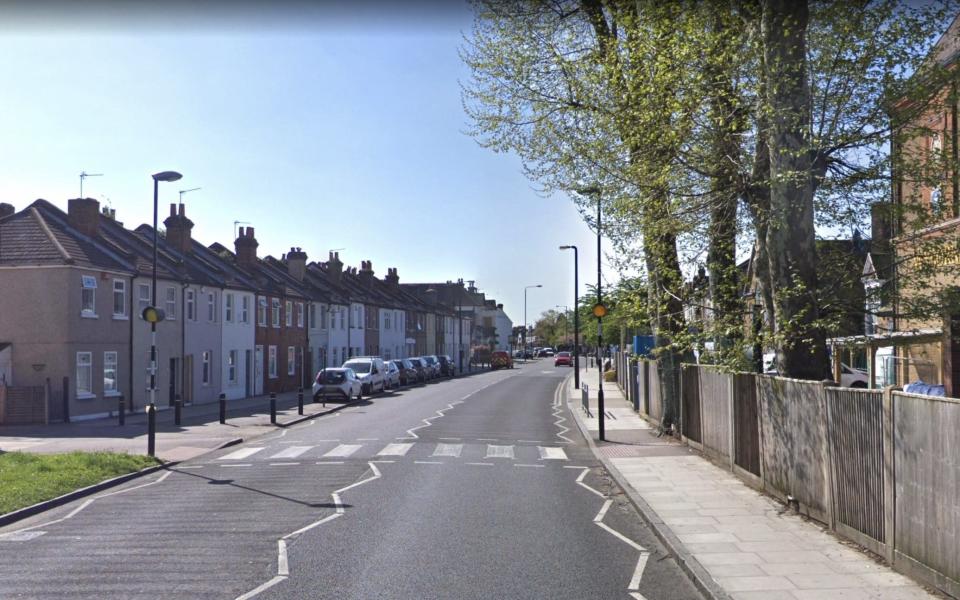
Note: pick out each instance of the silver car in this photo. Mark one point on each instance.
(338, 384)
(392, 375)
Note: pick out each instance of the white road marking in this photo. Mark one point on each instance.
(395, 450)
(428, 462)
(20, 536)
(388, 462)
(603, 511)
(237, 465)
(453, 450)
(450, 439)
(344, 450)
(429, 421)
(241, 453)
(621, 537)
(488, 439)
(291, 452)
(327, 440)
(189, 467)
(638, 572)
(637, 596)
(283, 567)
(530, 441)
(573, 467)
(499, 451)
(368, 439)
(541, 466)
(549, 453)
(582, 484)
(479, 464)
(330, 462)
(284, 464)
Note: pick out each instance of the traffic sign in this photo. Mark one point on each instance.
(152, 314)
(599, 310)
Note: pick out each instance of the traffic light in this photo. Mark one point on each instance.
(152, 314)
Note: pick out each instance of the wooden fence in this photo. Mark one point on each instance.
(23, 405)
(880, 468)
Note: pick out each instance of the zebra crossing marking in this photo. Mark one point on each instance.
(343, 450)
(395, 450)
(291, 452)
(241, 453)
(551, 453)
(499, 451)
(453, 450)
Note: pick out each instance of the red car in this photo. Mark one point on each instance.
(501, 360)
(563, 358)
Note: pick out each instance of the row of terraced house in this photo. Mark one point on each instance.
(74, 284)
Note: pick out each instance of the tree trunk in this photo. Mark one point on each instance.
(801, 351)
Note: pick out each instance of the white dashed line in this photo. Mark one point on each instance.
(237, 465)
(453, 450)
(539, 466)
(395, 450)
(241, 453)
(291, 452)
(344, 450)
(478, 464)
(284, 464)
(330, 462)
(499, 451)
(428, 462)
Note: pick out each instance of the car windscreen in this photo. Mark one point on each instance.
(333, 377)
(358, 367)
(430, 360)
(564, 354)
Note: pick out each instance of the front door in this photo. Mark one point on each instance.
(258, 371)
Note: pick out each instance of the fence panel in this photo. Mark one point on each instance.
(635, 386)
(746, 423)
(653, 389)
(855, 427)
(794, 443)
(690, 402)
(926, 435)
(23, 405)
(715, 410)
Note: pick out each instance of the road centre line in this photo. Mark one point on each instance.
(284, 464)
(188, 467)
(540, 466)
(368, 439)
(237, 465)
(388, 462)
(450, 438)
(330, 462)
(488, 439)
(479, 464)
(428, 462)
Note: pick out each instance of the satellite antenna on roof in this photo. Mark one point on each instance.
(84, 175)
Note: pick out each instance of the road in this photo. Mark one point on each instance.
(478, 487)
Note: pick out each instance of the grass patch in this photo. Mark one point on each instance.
(27, 478)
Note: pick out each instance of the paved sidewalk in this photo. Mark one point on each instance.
(747, 544)
(200, 430)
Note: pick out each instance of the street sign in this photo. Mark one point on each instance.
(152, 314)
(599, 310)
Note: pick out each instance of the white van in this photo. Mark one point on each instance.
(370, 370)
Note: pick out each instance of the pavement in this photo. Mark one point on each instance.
(200, 430)
(735, 541)
(473, 488)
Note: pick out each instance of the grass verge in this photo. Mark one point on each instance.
(26, 478)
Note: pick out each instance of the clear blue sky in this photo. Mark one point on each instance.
(322, 130)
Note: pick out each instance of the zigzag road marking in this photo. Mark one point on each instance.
(429, 420)
(557, 409)
(283, 565)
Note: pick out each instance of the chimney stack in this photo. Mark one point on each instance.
(6, 210)
(84, 215)
(297, 263)
(246, 247)
(335, 267)
(366, 272)
(179, 228)
(392, 278)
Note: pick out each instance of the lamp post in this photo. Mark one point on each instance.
(156, 315)
(525, 317)
(576, 316)
(599, 310)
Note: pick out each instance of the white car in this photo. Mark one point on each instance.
(371, 371)
(849, 377)
(339, 384)
(392, 375)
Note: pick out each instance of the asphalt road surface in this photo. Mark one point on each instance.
(479, 487)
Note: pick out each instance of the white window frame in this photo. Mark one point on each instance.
(291, 360)
(205, 371)
(85, 362)
(288, 315)
(261, 311)
(111, 363)
(232, 366)
(272, 362)
(121, 294)
(386, 320)
(88, 296)
(300, 315)
(275, 314)
(228, 308)
(171, 303)
(244, 308)
(191, 302)
(212, 307)
(143, 301)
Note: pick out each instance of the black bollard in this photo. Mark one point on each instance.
(300, 401)
(151, 430)
(223, 409)
(121, 411)
(177, 406)
(273, 408)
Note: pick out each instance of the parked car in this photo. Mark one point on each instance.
(391, 375)
(370, 371)
(849, 376)
(563, 358)
(447, 369)
(339, 384)
(408, 373)
(434, 365)
(501, 360)
(548, 352)
(420, 365)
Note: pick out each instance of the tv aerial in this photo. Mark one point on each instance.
(84, 175)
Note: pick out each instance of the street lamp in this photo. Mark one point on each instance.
(599, 310)
(576, 316)
(525, 317)
(155, 315)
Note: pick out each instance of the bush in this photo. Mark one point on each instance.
(610, 375)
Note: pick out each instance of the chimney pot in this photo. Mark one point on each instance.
(250, 232)
(173, 209)
(183, 210)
